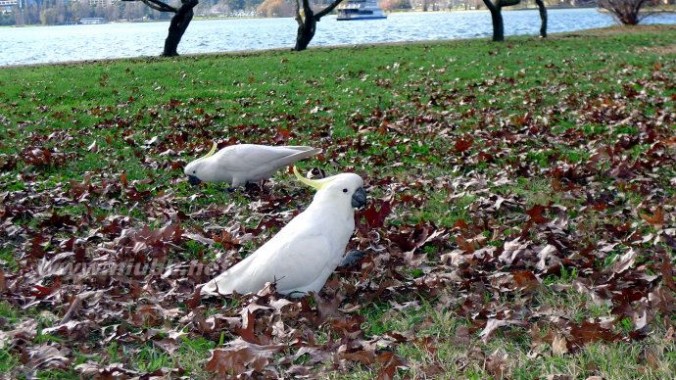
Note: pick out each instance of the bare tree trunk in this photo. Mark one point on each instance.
(179, 23)
(307, 22)
(543, 18)
(307, 25)
(496, 17)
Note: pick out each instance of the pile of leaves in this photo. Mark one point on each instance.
(486, 202)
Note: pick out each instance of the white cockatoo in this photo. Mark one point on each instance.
(304, 253)
(239, 164)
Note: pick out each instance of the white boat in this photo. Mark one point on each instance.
(359, 10)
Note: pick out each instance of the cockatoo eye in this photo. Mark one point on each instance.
(344, 190)
(194, 171)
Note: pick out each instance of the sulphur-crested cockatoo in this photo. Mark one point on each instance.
(239, 164)
(302, 255)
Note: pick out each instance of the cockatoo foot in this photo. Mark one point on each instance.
(351, 258)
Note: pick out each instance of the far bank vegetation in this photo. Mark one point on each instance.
(61, 13)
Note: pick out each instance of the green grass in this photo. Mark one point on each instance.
(454, 357)
(8, 361)
(394, 113)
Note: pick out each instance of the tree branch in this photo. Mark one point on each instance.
(507, 3)
(491, 7)
(307, 10)
(328, 9)
(158, 5)
(299, 14)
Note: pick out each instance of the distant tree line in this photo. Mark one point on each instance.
(60, 12)
(50, 12)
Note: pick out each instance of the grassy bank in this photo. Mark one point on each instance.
(520, 225)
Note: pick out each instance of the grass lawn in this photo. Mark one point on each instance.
(521, 218)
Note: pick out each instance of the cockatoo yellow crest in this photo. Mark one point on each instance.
(239, 164)
(304, 253)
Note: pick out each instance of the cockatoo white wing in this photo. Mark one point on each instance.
(250, 163)
(303, 263)
(239, 164)
(299, 262)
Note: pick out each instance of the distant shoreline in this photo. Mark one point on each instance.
(23, 46)
(528, 7)
(267, 52)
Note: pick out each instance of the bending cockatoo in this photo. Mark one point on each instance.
(239, 164)
(303, 254)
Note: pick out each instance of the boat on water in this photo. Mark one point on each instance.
(359, 10)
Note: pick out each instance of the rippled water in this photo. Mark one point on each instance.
(44, 44)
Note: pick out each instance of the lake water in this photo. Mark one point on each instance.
(46, 44)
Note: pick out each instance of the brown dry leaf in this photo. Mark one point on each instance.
(462, 336)
(536, 212)
(75, 330)
(587, 332)
(247, 331)
(123, 180)
(525, 280)
(77, 302)
(375, 216)
(24, 331)
(349, 326)
(547, 258)
(667, 270)
(651, 357)
(362, 356)
(148, 315)
(238, 356)
(656, 219)
(315, 354)
(625, 261)
(228, 362)
(463, 143)
(494, 324)
(389, 363)
(559, 346)
(167, 345)
(428, 344)
(96, 371)
(465, 244)
(497, 364)
(47, 357)
(512, 250)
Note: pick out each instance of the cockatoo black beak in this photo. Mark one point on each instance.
(194, 180)
(359, 198)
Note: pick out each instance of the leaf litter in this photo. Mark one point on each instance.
(600, 223)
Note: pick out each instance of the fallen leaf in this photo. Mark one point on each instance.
(559, 346)
(238, 356)
(494, 324)
(656, 219)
